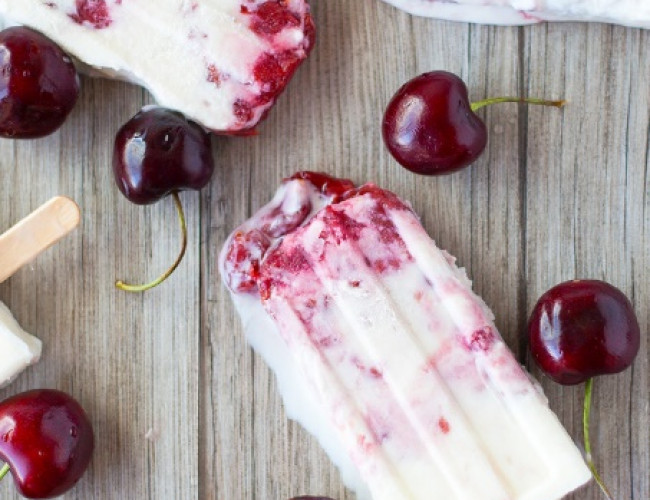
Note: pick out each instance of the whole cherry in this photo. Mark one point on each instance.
(579, 329)
(39, 84)
(46, 441)
(582, 328)
(158, 153)
(430, 127)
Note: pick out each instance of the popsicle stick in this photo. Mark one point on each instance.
(35, 233)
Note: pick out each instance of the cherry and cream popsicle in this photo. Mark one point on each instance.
(222, 63)
(19, 246)
(420, 394)
(634, 13)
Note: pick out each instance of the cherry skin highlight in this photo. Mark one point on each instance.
(39, 84)
(583, 328)
(429, 126)
(46, 441)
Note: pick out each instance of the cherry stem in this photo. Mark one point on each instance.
(585, 430)
(528, 100)
(146, 286)
(3, 471)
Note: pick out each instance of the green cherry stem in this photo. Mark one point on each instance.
(3, 471)
(585, 430)
(146, 286)
(528, 100)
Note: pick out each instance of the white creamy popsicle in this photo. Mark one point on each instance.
(221, 63)
(517, 12)
(18, 246)
(18, 349)
(394, 353)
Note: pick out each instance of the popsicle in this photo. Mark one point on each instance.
(221, 63)
(19, 246)
(419, 397)
(516, 12)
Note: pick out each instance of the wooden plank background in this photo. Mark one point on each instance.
(181, 406)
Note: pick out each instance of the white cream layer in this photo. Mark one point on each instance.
(18, 349)
(634, 13)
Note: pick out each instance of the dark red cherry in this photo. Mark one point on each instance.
(429, 125)
(46, 441)
(158, 152)
(583, 328)
(39, 84)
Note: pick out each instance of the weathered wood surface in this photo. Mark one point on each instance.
(558, 194)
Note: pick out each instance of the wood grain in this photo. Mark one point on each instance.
(181, 406)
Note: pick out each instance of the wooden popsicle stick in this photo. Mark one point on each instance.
(36, 232)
